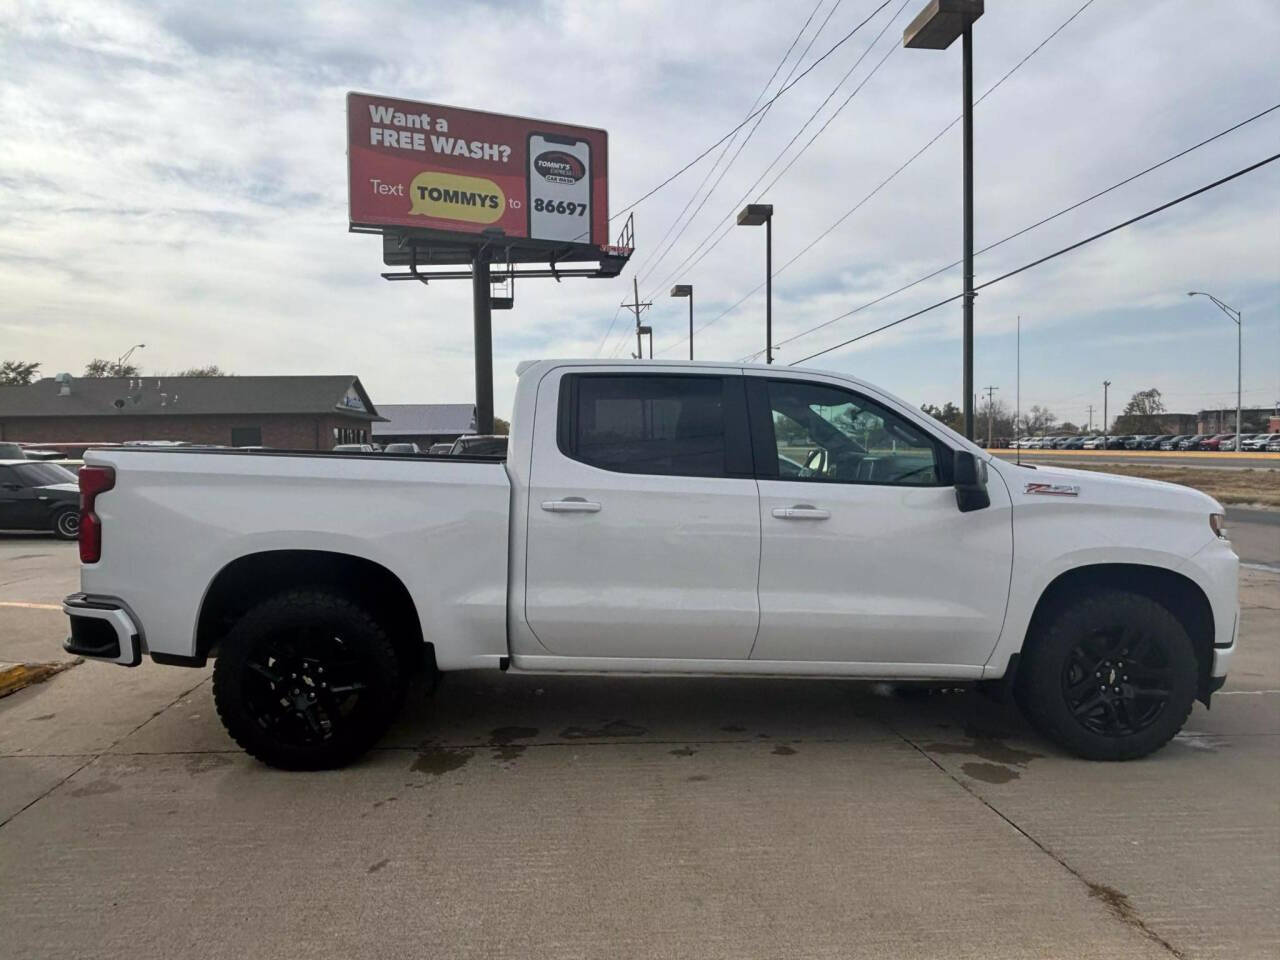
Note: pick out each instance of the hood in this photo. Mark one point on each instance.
(1040, 484)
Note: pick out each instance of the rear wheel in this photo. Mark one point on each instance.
(66, 524)
(1110, 677)
(306, 681)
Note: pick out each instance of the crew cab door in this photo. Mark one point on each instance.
(865, 555)
(643, 533)
(20, 508)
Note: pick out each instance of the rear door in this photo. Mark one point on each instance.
(20, 508)
(865, 555)
(643, 519)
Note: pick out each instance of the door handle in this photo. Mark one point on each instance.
(571, 505)
(801, 511)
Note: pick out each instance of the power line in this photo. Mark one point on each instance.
(765, 89)
(1057, 253)
(1027, 229)
(910, 160)
(804, 73)
(685, 264)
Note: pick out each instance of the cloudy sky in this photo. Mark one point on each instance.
(174, 173)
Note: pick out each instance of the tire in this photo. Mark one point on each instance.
(1112, 676)
(66, 524)
(307, 680)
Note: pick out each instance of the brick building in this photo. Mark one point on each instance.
(288, 413)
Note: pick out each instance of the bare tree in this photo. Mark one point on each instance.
(98, 367)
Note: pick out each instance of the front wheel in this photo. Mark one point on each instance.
(1110, 677)
(306, 681)
(66, 524)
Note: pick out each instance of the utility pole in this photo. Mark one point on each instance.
(1106, 434)
(991, 411)
(1090, 418)
(637, 307)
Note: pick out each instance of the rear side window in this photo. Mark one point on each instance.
(693, 426)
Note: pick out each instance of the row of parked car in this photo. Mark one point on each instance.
(1255, 442)
(478, 445)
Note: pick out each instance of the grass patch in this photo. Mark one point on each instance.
(1246, 486)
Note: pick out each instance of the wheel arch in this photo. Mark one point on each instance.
(252, 578)
(1174, 591)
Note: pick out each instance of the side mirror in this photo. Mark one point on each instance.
(970, 478)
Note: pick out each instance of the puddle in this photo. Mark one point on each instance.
(989, 772)
(990, 747)
(440, 760)
(503, 741)
(614, 728)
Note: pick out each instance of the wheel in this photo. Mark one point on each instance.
(307, 681)
(1110, 677)
(66, 524)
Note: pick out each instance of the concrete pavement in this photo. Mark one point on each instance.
(511, 816)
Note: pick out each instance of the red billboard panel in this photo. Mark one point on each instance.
(430, 166)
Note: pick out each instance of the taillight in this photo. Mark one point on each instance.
(93, 481)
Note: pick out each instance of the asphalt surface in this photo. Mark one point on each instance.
(543, 817)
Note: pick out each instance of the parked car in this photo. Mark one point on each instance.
(354, 448)
(401, 448)
(1093, 443)
(1153, 442)
(11, 451)
(1233, 443)
(480, 445)
(440, 449)
(1173, 442)
(1274, 444)
(1259, 441)
(1075, 443)
(1134, 442)
(1214, 442)
(1193, 442)
(646, 522)
(39, 496)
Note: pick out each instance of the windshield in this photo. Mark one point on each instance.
(43, 474)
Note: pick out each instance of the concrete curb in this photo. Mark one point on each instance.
(15, 676)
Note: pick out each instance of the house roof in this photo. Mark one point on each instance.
(190, 396)
(426, 419)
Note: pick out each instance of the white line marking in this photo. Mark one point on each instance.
(1244, 693)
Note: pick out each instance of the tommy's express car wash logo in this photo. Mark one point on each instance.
(448, 196)
(559, 167)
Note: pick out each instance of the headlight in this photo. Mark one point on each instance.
(1218, 524)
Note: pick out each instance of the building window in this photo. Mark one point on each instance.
(246, 436)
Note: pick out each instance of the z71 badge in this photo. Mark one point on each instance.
(1053, 489)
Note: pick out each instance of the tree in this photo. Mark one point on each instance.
(18, 372)
(98, 367)
(1037, 420)
(996, 413)
(501, 427)
(1142, 414)
(948, 413)
(211, 370)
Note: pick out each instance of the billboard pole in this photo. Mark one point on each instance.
(481, 308)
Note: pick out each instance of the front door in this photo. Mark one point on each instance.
(643, 518)
(19, 507)
(864, 554)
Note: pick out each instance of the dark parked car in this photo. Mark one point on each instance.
(1135, 442)
(1153, 443)
(440, 449)
(1118, 443)
(480, 445)
(401, 448)
(39, 496)
(1193, 442)
(1172, 442)
(1075, 443)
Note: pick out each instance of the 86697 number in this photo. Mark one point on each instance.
(565, 207)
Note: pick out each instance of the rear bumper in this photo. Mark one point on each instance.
(102, 628)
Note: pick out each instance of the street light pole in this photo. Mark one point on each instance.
(686, 290)
(935, 28)
(753, 215)
(1106, 434)
(128, 353)
(1238, 318)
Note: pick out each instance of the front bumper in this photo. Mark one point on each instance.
(102, 628)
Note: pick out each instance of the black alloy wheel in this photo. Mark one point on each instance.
(1117, 684)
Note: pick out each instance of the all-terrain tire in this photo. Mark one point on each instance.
(307, 680)
(1110, 676)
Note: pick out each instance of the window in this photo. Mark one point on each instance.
(680, 425)
(43, 474)
(246, 436)
(823, 433)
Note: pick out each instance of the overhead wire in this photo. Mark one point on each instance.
(1045, 259)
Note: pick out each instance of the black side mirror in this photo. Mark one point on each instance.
(970, 477)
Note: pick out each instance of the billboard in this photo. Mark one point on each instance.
(466, 172)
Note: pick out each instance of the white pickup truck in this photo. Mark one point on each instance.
(658, 518)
